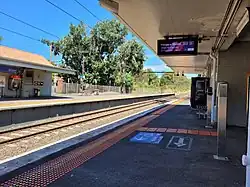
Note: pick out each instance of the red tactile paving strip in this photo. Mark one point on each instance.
(161, 130)
(152, 129)
(171, 130)
(180, 131)
(204, 133)
(193, 132)
(143, 129)
(214, 133)
(50, 171)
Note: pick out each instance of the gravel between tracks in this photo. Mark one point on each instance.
(30, 143)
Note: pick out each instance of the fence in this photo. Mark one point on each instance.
(88, 89)
(68, 88)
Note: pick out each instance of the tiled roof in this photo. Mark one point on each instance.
(22, 56)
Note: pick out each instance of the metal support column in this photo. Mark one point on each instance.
(221, 121)
(209, 108)
(214, 78)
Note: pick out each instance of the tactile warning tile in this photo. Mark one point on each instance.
(204, 133)
(182, 131)
(143, 129)
(151, 129)
(171, 130)
(193, 132)
(161, 130)
(214, 133)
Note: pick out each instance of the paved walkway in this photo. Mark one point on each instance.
(116, 159)
(6, 103)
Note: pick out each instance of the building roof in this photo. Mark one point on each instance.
(16, 54)
(16, 57)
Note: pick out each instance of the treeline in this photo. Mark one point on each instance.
(104, 56)
(168, 82)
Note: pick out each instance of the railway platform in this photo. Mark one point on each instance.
(15, 103)
(168, 147)
(18, 111)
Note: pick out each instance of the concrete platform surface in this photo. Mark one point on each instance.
(182, 155)
(14, 103)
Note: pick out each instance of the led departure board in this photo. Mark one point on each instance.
(178, 45)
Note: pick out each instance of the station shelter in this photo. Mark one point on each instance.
(24, 74)
(222, 51)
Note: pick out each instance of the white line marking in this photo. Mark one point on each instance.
(16, 134)
(11, 145)
(26, 131)
(5, 137)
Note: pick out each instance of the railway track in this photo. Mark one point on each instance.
(17, 134)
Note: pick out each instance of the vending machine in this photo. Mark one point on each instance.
(199, 92)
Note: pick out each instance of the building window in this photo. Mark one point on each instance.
(29, 74)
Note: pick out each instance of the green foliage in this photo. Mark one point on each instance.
(74, 49)
(105, 38)
(149, 82)
(1, 38)
(108, 58)
(131, 57)
(147, 78)
(167, 79)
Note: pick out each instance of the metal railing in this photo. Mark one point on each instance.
(70, 88)
(89, 89)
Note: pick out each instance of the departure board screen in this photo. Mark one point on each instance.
(177, 45)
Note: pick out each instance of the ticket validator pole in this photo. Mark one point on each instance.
(246, 158)
(222, 89)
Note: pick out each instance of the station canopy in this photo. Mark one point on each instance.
(18, 58)
(151, 20)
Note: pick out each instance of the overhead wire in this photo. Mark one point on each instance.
(20, 34)
(67, 13)
(42, 30)
(30, 25)
(89, 11)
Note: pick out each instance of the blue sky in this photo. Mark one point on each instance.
(43, 15)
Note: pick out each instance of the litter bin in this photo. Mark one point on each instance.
(36, 92)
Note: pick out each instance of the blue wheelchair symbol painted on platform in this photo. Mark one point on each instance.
(147, 137)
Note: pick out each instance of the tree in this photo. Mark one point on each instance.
(74, 49)
(102, 52)
(167, 79)
(150, 77)
(1, 38)
(130, 59)
(105, 38)
(131, 56)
